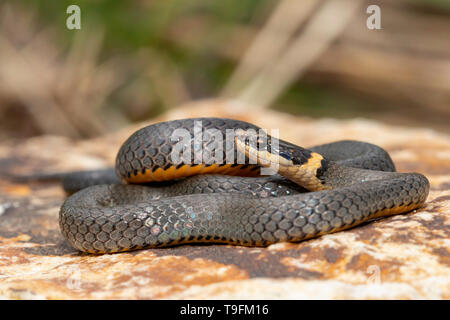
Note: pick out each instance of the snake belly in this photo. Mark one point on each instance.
(161, 203)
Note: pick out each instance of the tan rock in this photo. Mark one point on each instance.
(401, 257)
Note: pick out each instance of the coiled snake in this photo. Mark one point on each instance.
(351, 182)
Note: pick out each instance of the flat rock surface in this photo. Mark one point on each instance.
(400, 257)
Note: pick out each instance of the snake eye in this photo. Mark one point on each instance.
(285, 155)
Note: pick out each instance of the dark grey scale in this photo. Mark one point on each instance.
(209, 219)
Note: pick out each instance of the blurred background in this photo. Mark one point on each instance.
(133, 60)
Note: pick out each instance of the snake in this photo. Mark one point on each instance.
(201, 180)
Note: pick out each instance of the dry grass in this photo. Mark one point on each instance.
(72, 92)
(81, 92)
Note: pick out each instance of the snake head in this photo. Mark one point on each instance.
(297, 164)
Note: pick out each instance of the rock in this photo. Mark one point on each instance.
(400, 257)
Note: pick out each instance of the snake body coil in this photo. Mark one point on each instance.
(352, 182)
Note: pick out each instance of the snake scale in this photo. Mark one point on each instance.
(154, 201)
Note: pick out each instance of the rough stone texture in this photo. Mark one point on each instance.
(404, 256)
